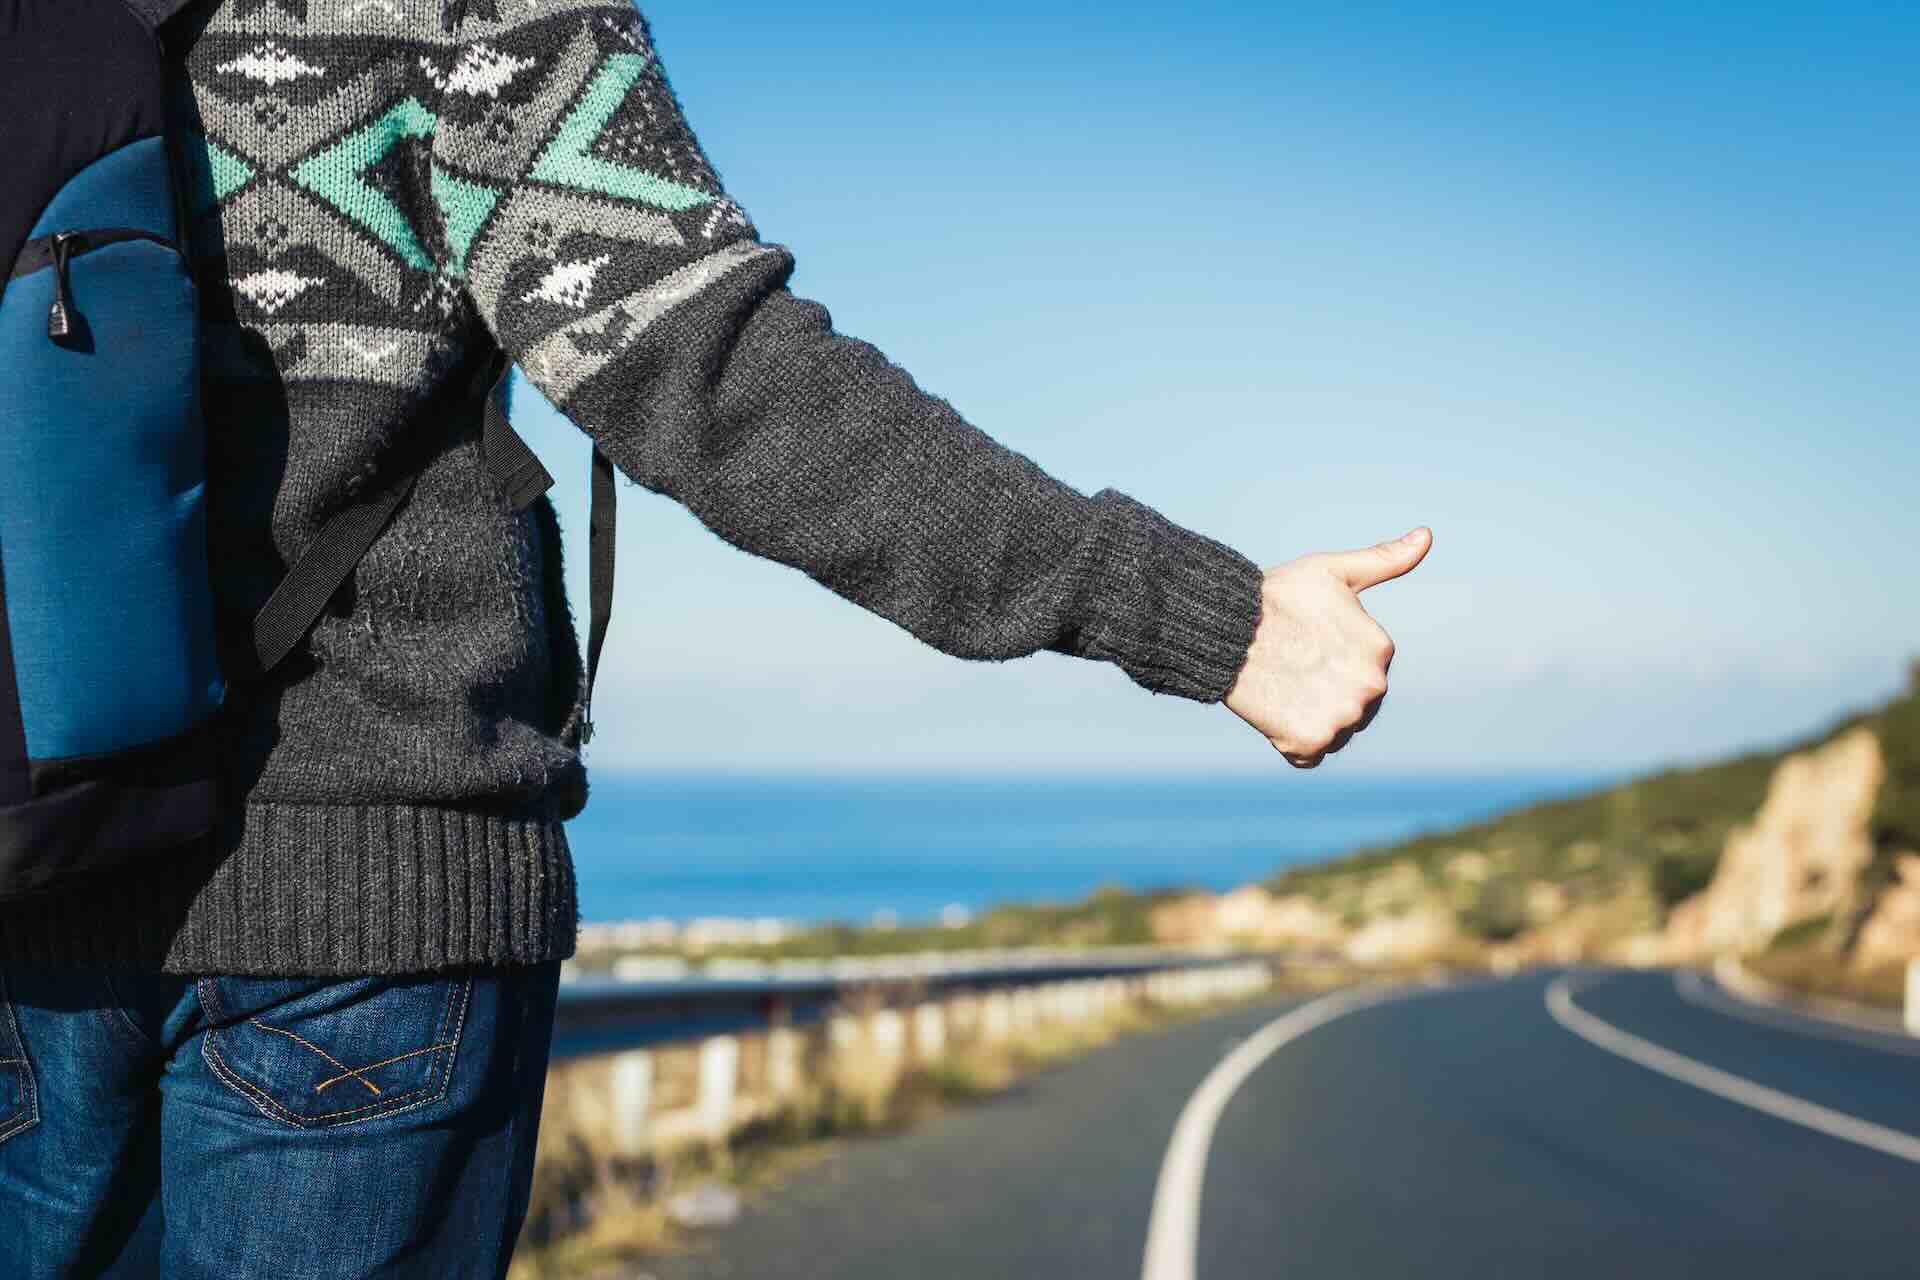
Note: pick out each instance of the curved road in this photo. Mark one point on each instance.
(1593, 1124)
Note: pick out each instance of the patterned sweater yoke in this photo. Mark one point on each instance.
(382, 189)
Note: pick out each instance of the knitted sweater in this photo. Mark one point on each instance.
(384, 184)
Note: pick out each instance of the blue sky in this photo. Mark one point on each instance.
(1622, 300)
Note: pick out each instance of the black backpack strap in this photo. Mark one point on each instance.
(522, 479)
(600, 527)
(516, 469)
(521, 476)
(329, 559)
(297, 603)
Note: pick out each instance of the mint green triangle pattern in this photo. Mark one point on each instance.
(229, 171)
(466, 206)
(336, 176)
(566, 162)
(213, 172)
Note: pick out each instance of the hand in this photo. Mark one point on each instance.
(1317, 670)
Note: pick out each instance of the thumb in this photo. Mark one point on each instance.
(1371, 566)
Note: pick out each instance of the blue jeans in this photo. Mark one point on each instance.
(297, 1128)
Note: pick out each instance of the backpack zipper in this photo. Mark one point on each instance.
(60, 314)
(55, 251)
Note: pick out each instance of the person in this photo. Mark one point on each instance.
(315, 1047)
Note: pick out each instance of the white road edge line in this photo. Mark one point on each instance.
(1173, 1237)
(1783, 1106)
(1697, 989)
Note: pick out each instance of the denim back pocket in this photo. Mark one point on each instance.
(19, 1103)
(318, 1053)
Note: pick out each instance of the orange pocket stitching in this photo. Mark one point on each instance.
(266, 1100)
(351, 1072)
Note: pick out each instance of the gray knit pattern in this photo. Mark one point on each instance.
(384, 187)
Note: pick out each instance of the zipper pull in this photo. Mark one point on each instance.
(60, 316)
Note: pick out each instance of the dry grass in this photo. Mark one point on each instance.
(625, 1228)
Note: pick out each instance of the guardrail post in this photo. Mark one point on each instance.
(889, 1035)
(719, 1074)
(1024, 1001)
(929, 1032)
(996, 1015)
(783, 1062)
(963, 1016)
(632, 1080)
(1913, 997)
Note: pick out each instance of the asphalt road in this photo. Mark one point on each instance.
(1463, 1131)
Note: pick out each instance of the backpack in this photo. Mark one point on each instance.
(111, 672)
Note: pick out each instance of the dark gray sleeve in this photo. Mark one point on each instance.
(809, 447)
(595, 241)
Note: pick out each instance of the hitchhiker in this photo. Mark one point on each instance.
(280, 937)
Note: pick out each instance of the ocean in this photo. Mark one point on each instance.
(813, 849)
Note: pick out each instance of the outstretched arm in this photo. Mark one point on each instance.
(596, 242)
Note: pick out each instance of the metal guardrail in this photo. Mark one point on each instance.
(605, 1015)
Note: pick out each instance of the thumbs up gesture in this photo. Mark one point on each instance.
(1317, 670)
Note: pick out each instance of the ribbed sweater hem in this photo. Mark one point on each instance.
(322, 890)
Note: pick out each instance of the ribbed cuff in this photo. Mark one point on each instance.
(1174, 609)
(322, 890)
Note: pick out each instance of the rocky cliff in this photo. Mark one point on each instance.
(1801, 857)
